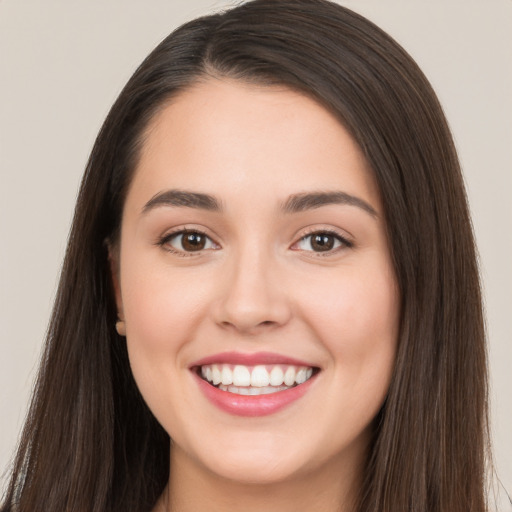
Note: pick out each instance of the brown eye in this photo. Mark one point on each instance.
(322, 241)
(193, 241)
(189, 241)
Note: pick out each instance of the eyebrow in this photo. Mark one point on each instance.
(311, 200)
(294, 204)
(184, 198)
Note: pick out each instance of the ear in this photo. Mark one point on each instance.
(113, 260)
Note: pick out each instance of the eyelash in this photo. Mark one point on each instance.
(166, 239)
(344, 242)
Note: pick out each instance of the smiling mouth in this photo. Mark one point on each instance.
(255, 380)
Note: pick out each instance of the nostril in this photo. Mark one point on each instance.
(250, 328)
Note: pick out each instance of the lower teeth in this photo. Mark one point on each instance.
(252, 390)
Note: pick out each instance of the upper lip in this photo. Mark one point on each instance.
(250, 359)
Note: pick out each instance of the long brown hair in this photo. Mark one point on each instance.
(91, 444)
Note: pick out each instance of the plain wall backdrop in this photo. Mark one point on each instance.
(62, 64)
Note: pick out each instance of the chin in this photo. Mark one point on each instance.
(257, 460)
(267, 469)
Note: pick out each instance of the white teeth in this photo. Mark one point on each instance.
(277, 376)
(253, 391)
(257, 380)
(289, 376)
(216, 375)
(227, 375)
(241, 376)
(260, 377)
(301, 376)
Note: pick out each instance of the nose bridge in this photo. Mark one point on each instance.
(252, 296)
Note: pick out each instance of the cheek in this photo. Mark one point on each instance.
(164, 307)
(357, 321)
(160, 303)
(160, 320)
(159, 315)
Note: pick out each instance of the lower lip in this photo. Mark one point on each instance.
(252, 405)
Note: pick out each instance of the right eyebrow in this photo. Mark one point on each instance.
(186, 198)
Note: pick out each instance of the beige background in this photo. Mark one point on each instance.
(62, 64)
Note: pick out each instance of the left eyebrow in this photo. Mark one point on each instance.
(311, 200)
(183, 198)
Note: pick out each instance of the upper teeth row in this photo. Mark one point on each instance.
(258, 376)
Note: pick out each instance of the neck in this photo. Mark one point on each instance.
(193, 487)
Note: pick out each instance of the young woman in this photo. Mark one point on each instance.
(270, 297)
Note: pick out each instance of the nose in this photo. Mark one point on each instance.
(253, 298)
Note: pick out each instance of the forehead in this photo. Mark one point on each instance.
(223, 136)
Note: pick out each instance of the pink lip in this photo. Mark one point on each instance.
(250, 405)
(249, 359)
(255, 405)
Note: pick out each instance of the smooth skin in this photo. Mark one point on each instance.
(254, 278)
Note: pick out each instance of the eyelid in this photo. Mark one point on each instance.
(345, 241)
(163, 240)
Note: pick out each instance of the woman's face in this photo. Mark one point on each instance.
(253, 255)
